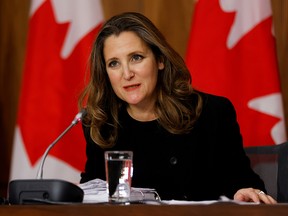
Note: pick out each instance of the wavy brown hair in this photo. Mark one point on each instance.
(173, 107)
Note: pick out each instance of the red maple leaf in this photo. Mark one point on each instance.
(246, 71)
(50, 86)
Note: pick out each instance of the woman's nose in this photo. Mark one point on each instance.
(127, 73)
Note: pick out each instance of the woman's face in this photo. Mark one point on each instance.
(132, 69)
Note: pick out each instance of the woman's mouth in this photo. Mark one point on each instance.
(131, 87)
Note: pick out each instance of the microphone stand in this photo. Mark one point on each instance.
(77, 119)
(39, 190)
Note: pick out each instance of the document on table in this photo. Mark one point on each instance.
(222, 199)
(95, 191)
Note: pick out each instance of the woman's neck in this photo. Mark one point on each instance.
(141, 114)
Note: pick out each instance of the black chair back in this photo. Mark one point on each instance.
(271, 164)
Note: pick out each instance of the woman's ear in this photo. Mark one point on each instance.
(161, 63)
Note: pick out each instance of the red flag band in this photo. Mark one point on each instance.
(231, 52)
(59, 42)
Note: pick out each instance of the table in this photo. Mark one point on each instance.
(145, 210)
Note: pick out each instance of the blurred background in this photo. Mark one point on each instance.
(172, 17)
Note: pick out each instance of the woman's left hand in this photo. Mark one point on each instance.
(253, 195)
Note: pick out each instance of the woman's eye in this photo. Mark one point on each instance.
(137, 57)
(113, 64)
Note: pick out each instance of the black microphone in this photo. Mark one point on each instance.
(39, 190)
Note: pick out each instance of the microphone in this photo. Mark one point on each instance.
(31, 191)
(77, 119)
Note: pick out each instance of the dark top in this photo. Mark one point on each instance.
(202, 165)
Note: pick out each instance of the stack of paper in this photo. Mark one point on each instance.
(95, 191)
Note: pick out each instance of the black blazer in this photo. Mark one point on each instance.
(202, 165)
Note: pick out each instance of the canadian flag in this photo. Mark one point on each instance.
(231, 52)
(59, 42)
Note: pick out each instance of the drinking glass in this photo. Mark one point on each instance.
(119, 169)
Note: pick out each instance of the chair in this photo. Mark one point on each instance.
(271, 164)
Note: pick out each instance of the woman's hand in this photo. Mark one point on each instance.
(253, 195)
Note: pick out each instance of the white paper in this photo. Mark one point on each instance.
(95, 191)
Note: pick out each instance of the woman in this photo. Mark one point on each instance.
(187, 144)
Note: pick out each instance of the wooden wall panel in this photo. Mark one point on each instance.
(13, 29)
(172, 17)
(280, 18)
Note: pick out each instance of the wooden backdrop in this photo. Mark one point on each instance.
(173, 18)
